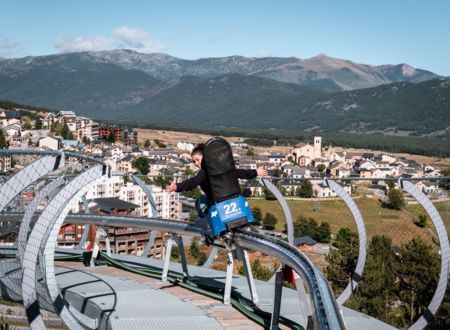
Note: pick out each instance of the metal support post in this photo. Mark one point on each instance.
(250, 279)
(180, 244)
(228, 280)
(277, 300)
(304, 298)
(169, 244)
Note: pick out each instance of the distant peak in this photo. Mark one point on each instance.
(408, 70)
(321, 55)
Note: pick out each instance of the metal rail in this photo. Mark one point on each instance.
(326, 311)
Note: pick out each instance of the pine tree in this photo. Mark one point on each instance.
(342, 259)
(417, 271)
(141, 164)
(3, 143)
(395, 199)
(270, 221)
(256, 211)
(305, 190)
(377, 291)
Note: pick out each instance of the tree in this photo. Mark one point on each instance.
(27, 124)
(259, 272)
(270, 221)
(268, 194)
(193, 193)
(193, 215)
(321, 168)
(141, 164)
(323, 232)
(188, 172)
(377, 292)
(197, 253)
(276, 172)
(395, 199)
(305, 190)
(161, 181)
(38, 123)
(65, 131)
(111, 137)
(159, 143)
(146, 143)
(250, 152)
(3, 142)
(256, 211)
(342, 259)
(445, 184)
(417, 271)
(304, 226)
(307, 226)
(421, 221)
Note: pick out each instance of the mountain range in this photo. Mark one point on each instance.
(321, 93)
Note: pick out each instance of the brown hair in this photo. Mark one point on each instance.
(198, 149)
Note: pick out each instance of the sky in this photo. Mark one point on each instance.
(416, 32)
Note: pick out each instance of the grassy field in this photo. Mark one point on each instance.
(398, 225)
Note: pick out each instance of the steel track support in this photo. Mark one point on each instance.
(228, 279)
(169, 244)
(180, 244)
(277, 300)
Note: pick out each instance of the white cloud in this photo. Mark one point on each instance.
(79, 44)
(8, 47)
(138, 40)
(265, 53)
(130, 36)
(122, 37)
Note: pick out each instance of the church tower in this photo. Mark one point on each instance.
(317, 146)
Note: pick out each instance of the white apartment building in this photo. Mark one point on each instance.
(5, 162)
(185, 145)
(87, 128)
(167, 204)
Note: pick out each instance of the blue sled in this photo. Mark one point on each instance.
(229, 214)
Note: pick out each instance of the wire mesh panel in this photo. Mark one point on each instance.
(54, 213)
(444, 249)
(29, 211)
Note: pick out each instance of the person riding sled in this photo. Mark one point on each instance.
(201, 179)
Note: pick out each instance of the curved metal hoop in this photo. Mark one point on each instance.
(356, 276)
(63, 202)
(53, 213)
(287, 212)
(30, 209)
(154, 214)
(31, 173)
(445, 252)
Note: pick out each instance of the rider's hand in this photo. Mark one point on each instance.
(172, 187)
(261, 171)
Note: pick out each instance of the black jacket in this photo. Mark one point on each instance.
(202, 180)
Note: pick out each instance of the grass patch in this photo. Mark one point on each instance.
(396, 224)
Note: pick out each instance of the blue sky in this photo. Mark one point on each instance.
(370, 32)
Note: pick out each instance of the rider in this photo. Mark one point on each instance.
(201, 179)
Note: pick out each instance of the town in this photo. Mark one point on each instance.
(158, 164)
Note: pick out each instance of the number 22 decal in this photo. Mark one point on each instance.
(230, 208)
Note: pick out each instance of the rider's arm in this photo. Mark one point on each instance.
(192, 182)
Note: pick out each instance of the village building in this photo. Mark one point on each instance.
(304, 153)
(51, 142)
(305, 244)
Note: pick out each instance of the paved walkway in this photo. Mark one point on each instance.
(143, 303)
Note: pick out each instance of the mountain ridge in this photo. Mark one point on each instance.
(345, 74)
(113, 85)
